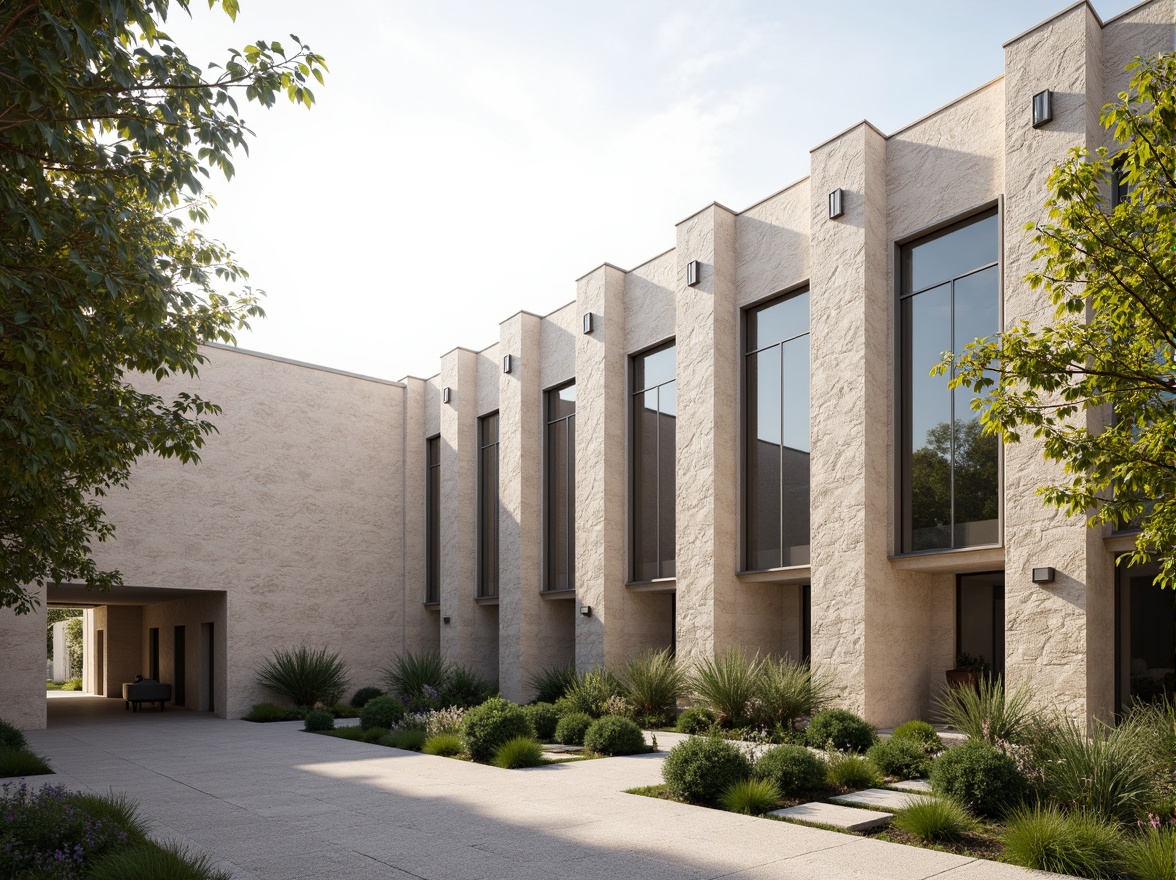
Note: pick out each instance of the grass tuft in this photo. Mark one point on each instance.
(753, 797)
(1046, 839)
(987, 712)
(154, 861)
(305, 676)
(652, 683)
(935, 819)
(727, 684)
(22, 762)
(522, 751)
(551, 684)
(444, 744)
(851, 771)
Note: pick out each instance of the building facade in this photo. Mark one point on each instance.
(736, 443)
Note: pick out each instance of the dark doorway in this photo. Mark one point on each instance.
(806, 623)
(100, 663)
(180, 676)
(207, 653)
(153, 653)
(980, 619)
(1145, 637)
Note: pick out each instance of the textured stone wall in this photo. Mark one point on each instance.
(22, 657)
(190, 613)
(420, 625)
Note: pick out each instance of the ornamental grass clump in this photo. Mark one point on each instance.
(727, 685)
(22, 762)
(900, 758)
(613, 735)
(653, 683)
(919, 732)
(552, 683)
(1076, 843)
(590, 694)
(790, 690)
(1151, 853)
(416, 676)
(702, 768)
(753, 797)
(571, 728)
(444, 744)
(153, 861)
(986, 712)
(11, 737)
(934, 819)
(850, 771)
(792, 769)
(521, 751)
(305, 676)
(979, 777)
(485, 728)
(842, 730)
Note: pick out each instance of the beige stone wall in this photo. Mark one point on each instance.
(192, 614)
(22, 657)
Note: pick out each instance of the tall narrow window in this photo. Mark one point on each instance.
(488, 506)
(561, 488)
(153, 653)
(655, 410)
(777, 457)
(433, 520)
(950, 478)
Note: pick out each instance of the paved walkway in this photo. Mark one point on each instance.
(268, 801)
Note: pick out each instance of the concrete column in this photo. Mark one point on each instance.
(22, 657)
(1059, 637)
(601, 469)
(420, 625)
(124, 645)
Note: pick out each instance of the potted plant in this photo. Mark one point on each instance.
(968, 672)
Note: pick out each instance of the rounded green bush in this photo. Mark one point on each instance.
(613, 735)
(571, 728)
(543, 717)
(486, 727)
(381, 712)
(361, 697)
(11, 737)
(979, 777)
(847, 732)
(922, 733)
(696, 720)
(702, 768)
(792, 769)
(444, 744)
(900, 758)
(319, 719)
(521, 751)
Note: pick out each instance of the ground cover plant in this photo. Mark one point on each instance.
(305, 676)
(16, 758)
(849, 771)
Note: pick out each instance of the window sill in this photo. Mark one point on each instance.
(552, 595)
(790, 574)
(433, 606)
(955, 561)
(658, 585)
(486, 600)
(1121, 542)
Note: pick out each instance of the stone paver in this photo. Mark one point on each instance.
(880, 798)
(269, 802)
(922, 786)
(849, 818)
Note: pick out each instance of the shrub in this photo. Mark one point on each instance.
(339, 710)
(1107, 771)
(465, 688)
(846, 731)
(445, 744)
(151, 861)
(444, 720)
(305, 676)
(360, 698)
(702, 768)
(978, 776)
(590, 693)
(613, 735)
(22, 762)
(543, 717)
(696, 720)
(934, 819)
(266, 712)
(751, 796)
(383, 711)
(410, 739)
(71, 684)
(416, 677)
(922, 733)
(727, 684)
(1066, 843)
(319, 719)
(792, 769)
(986, 712)
(11, 737)
(1148, 855)
(900, 758)
(850, 771)
(486, 727)
(521, 751)
(551, 684)
(653, 684)
(571, 728)
(789, 690)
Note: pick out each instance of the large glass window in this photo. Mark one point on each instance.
(1145, 637)
(488, 506)
(561, 488)
(433, 520)
(655, 411)
(980, 620)
(950, 478)
(777, 455)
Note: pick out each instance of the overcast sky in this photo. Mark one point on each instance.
(466, 160)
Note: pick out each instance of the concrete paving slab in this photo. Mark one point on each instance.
(881, 799)
(849, 818)
(920, 786)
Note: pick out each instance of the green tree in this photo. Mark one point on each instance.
(52, 616)
(1110, 272)
(107, 133)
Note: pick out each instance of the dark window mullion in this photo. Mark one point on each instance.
(951, 414)
(780, 478)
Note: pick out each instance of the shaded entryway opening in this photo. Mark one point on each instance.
(980, 621)
(1145, 637)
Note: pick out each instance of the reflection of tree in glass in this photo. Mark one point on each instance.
(975, 480)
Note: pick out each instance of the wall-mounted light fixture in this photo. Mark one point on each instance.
(693, 273)
(1043, 575)
(836, 204)
(587, 322)
(1042, 108)
(507, 363)
(445, 620)
(586, 610)
(445, 394)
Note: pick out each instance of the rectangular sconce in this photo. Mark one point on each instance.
(586, 610)
(836, 204)
(445, 620)
(1043, 575)
(445, 394)
(506, 363)
(693, 273)
(588, 322)
(1042, 108)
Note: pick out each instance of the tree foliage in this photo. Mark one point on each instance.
(107, 133)
(1097, 386)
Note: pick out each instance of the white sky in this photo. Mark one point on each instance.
(466, 160)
